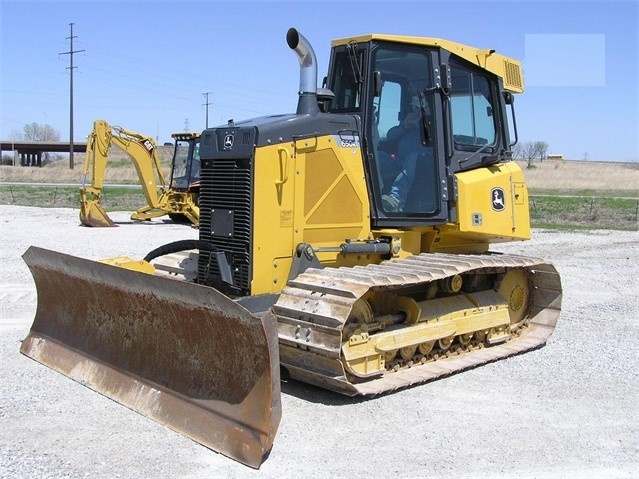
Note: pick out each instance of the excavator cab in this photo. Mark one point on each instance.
(185, 172)
(182, 199)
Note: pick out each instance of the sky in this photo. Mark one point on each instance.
(148, 65)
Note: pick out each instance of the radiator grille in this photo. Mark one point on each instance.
(225, 222)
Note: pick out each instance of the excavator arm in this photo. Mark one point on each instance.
(143, 152)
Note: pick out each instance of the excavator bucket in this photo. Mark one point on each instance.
(182, 354)
(92, 214)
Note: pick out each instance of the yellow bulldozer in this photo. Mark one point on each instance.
(348, 244)
(178, 199)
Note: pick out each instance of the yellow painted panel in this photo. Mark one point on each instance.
(493, 202)
(331, 196)
(340, 205)
(273, 217)
(312, 193)
(322, 169)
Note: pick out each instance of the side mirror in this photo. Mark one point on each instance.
(324, 98)
(509, 98)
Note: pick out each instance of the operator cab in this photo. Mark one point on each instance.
(426, 113)
(185, 172)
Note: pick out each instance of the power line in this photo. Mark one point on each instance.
(70, 53)
(206, 95)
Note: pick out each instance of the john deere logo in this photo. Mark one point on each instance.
(498, 199)
(228, 141)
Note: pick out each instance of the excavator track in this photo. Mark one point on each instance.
(373, 329)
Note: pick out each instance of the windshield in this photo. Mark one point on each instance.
(185, 172)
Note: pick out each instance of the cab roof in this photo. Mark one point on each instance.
(507, 68)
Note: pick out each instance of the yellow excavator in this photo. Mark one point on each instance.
(179, 200)
(348, 244)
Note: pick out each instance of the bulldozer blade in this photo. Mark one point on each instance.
(182, 354)
(92, 214)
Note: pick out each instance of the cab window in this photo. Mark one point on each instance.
(472, 109)
(347, 81)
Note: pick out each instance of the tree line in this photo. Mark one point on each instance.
(531, 150)
(36, 132)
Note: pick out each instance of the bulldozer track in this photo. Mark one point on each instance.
(314, 308)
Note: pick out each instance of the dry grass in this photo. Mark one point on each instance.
(119, 169)
(569, 177)
(575, 176)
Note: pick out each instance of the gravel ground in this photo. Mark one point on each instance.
(565, 410)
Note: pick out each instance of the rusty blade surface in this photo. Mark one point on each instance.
(183, 354)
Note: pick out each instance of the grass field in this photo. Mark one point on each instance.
(563, 194)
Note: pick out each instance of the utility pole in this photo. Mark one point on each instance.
(206, 95)
(70, 53)
(186, 125)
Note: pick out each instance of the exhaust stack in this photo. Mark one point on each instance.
(307, 103)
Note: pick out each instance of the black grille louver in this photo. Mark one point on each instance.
(225, 223)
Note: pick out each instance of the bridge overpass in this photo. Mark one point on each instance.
(30, 152)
